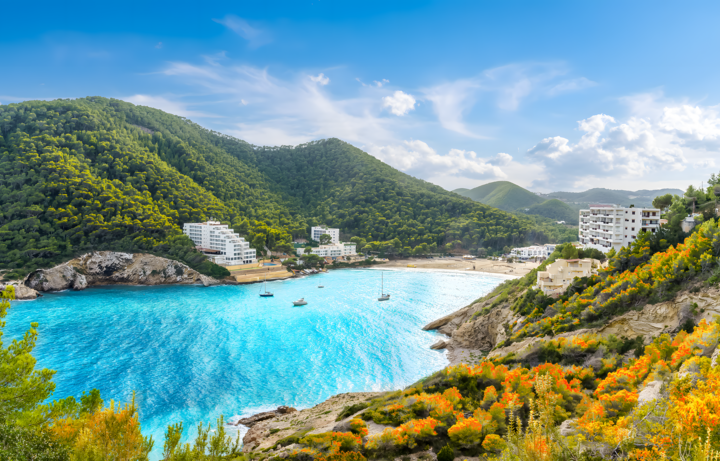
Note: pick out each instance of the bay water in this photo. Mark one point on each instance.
(192, 353)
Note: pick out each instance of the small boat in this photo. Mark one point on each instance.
(383, 296)
(265, 293)
(299, 302)
(321, 286)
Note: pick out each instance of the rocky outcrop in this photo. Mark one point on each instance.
(264, 416)
(439, 344)
(472, 331)
(650, 392)
(113, 268)
(277, 433)
(22, 293)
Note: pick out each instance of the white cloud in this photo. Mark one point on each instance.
(419, 159)
(159, 45)
(321, 79)
(381, 82)
(567, 86)
(655, 143)
(166, 105)
(399, 103)
(501, 159)
(255, 36)
(300, 108)
(510, 86)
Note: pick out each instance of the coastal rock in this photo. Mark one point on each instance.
(263, 435)
(440, 344)
(114, 268)
(471, 332)
(650, 392)
(485, 331)
(265, 415)
(22, 293)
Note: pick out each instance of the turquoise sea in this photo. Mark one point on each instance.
(192, 353)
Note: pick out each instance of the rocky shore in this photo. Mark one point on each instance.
(113, 268)
(278, 431)
(472, 334)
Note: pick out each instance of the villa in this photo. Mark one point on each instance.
(557, 276)
(219, 243)
(612, 226)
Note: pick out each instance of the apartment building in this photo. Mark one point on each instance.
(219, 243)
(611, 226)
(536, 251)
(316, 232)
(332, 251)
(559, 275)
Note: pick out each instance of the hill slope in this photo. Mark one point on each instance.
(96, 173)
(501, 194)
(554, 209)
(621, 197)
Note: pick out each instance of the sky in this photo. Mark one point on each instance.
(549, 95)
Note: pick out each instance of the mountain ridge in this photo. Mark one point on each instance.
(102, 174)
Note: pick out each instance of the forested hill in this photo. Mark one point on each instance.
(97, 173)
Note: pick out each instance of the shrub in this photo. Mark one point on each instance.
(359, 427)
(492, 443)
(446, 454)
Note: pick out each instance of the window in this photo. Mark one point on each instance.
(633, 229)
(633, 220)
(633, 212)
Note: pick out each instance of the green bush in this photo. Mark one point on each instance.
(446, 454)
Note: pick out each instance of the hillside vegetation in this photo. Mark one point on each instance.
(511, 197)
(555, 210)
(96, 173)
(502, 194)
(640, 198)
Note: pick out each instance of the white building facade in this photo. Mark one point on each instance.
(611, 226)
(537, 251)
(316, 232)
(332, 251)
(219, 243)
(558, 276)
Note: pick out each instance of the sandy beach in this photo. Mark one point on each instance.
(458, 264)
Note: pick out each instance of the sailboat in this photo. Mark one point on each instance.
(383, 296)
(265, 293)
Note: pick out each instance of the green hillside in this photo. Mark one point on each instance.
(555, 210)
(620, 197)
(97, 173)
(502, 194)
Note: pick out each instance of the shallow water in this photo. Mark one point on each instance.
(192, 353)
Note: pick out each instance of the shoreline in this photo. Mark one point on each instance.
(455, 271)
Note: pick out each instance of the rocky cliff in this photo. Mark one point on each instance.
(22, 292)
(113, 268)
(472, 330)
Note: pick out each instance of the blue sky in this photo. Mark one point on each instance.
(550, 95)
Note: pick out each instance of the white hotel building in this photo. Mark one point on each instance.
(537, 251)
(220, 244)
(316, 232)
(332, 251)
(611, 226)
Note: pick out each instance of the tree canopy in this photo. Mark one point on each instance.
(97, 173)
